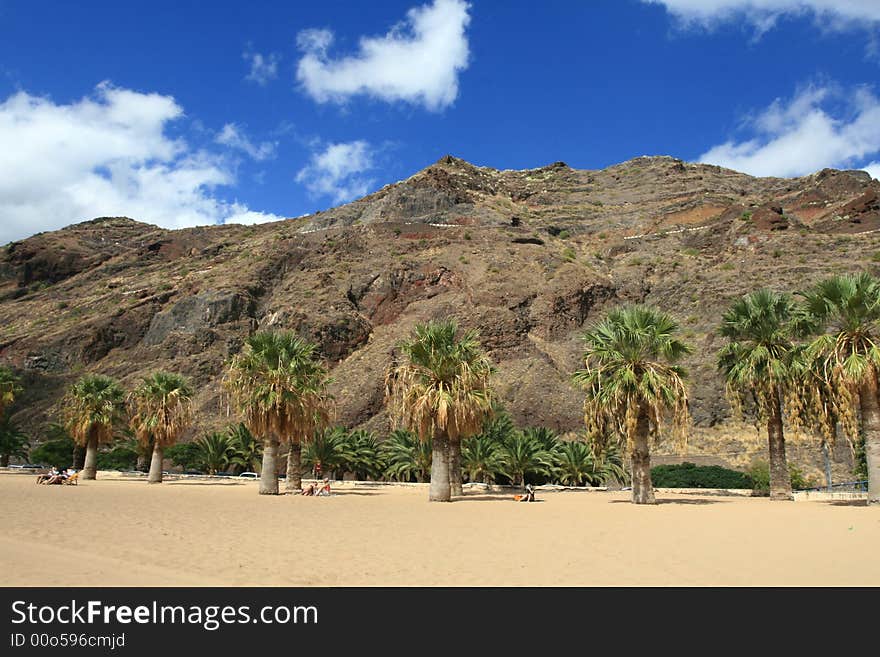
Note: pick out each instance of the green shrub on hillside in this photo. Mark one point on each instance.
(691, 475)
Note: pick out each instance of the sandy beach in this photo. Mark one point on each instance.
(119, 532)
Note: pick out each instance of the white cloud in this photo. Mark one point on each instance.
(335, 171)
(263, 67)
(763, 14)
(105, 155)
(417, 61)
(873, 169)
(820, 127)
(232, 136)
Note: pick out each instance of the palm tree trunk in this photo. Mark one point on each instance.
(269, 472)
(294, 467)
(870, 409)
(79, 457)
(155, 476)
(455, 468)
(642, 488)
(439, 489)
(780, 478)
(90, 465)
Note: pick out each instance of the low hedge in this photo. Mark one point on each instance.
(691, 475)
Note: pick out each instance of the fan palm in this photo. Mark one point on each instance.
(758, 363)
(632, 382)
(407, 457)
(246, 449)
(92, 408)
(846, 309)
(9, 388)
(281, 389)
(13, 442)
(215, 452)
(441, 391)
(161, 411)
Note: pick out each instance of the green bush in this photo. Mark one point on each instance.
(760, 474)
(691, 475)
(122, 457)
(185, 455)
(57, 452)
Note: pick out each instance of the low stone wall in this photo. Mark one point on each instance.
(825, 496)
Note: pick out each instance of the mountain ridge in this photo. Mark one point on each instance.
(528, 257)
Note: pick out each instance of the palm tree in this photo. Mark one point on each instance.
(758, 364)
(441, 391)
(246, 449)
(325, 450)
(522, 454)
(9, 388)
(13, 442)
(573, 464)
(215, 451)
(545, 437)
(481, 458)
(93, 407)
(281, 389)
(406, 456)
(846, 309)
(161, 411)
(607, 461)
(361, 454)
(632, 381)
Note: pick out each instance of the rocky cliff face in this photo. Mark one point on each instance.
(527, 257)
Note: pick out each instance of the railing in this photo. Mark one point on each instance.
(859, 486)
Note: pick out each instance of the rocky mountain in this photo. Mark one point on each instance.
(527, 257)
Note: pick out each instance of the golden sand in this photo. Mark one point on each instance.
(117, 532)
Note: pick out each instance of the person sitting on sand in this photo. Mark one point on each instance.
(57, 478)
(310, 490)
(325, 487)
(42, 478)
(528, 497)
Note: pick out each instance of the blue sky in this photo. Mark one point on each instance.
(178, 114)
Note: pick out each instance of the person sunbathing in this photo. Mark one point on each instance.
(309, 490)
(57, 478)
(528, 497)
(325, 487)
(43, 478)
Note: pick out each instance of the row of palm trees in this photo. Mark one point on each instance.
(809, 361)
(157, 411)
(217, 451)
(499, 450)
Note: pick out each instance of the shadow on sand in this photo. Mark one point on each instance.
(697, 502)
(487, 498)
(847, 502)
(179, 482)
